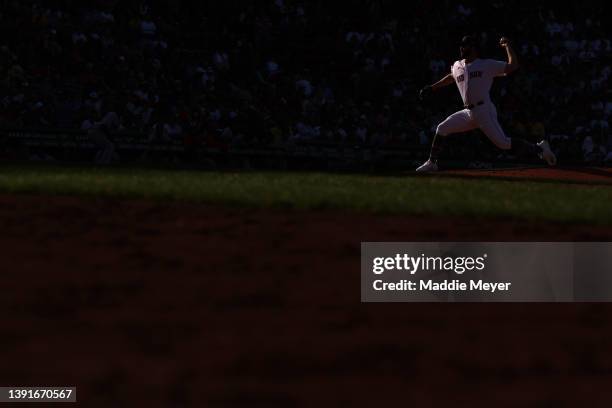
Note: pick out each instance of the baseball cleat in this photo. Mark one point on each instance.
(428, 167)
(547, 154)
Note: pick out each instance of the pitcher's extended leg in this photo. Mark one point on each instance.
(519, 147)
(456, 123)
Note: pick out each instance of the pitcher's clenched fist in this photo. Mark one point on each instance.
(504, 42)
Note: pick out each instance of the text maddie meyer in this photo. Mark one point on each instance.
(446, 285)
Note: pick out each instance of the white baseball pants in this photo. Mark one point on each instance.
(483, 117)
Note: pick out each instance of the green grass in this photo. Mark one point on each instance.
(379, 194)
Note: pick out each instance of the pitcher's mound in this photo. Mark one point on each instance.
(574, 175)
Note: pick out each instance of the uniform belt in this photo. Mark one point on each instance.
(473, 105)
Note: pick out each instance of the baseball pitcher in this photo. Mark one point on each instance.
(474, 77)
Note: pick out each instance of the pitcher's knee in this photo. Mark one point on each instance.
(441, 129)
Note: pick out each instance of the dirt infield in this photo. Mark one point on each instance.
(575, 175)
(174, 305)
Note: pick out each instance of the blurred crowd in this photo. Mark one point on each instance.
(280, 71)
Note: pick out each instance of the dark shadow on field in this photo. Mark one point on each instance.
(178, 305)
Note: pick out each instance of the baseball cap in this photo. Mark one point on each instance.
(469, 40)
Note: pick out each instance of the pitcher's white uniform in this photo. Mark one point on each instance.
(474, 81)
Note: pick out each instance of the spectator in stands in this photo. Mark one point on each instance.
(100, 133)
